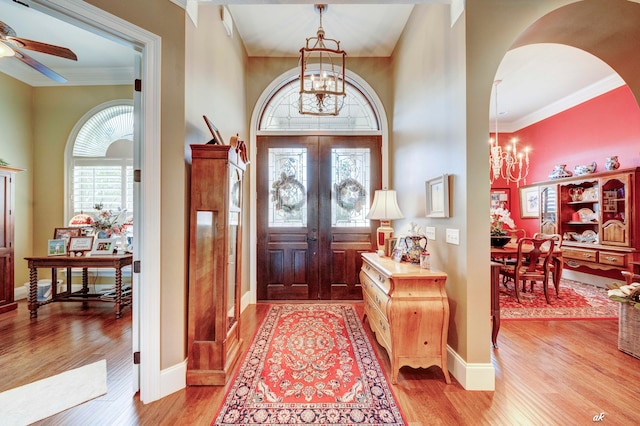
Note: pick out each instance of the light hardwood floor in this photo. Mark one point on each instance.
(547, 373)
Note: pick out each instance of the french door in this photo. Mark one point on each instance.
(313, 193)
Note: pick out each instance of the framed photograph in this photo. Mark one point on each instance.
(57, 247)
(80, 244)
(396, 254)
(500, 198)
(66, 233)
(438, 196)
(103, 246)
(529, 202)
(390, 245)
(217, 138)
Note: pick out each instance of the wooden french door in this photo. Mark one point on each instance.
(313, 193)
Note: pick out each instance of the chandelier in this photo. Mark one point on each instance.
(507, 162)
(322, 65)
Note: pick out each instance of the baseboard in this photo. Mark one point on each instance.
(173, 379)
(477, 376)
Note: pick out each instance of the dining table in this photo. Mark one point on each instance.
(499, 255)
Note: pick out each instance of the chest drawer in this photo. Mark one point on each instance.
(378, 277)
(377, 320)
(378, 297)
(580, 254)
(615, 259)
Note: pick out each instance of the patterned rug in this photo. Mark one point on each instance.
(577, 301)
(310, 364)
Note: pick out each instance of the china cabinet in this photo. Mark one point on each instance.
(213, 335)
(7, 197)
(596, 215)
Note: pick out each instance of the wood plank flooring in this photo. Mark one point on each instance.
(547, 373)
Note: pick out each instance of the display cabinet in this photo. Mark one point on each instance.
(7, 200)
(215, 236)
(595, 214)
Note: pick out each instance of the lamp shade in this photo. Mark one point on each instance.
(385, 206)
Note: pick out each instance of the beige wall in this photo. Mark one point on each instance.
(16, 148)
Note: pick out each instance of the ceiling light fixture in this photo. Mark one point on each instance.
(6, 50)
(321, 73)
(508, 163)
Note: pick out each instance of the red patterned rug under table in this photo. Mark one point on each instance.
(577, 301)
(310, 364)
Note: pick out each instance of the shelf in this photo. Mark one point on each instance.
(584, 202)
(581, 223)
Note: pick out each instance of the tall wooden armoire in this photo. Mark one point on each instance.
(7, 214)
(215, 236)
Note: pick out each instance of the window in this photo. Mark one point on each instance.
(101, 160)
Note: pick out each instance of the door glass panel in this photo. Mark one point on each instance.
(350, 178)
(288, 183)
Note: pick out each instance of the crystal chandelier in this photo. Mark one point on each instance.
(507, 162)
(321, 88)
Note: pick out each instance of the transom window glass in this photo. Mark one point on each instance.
(281, 112)
(101, 164)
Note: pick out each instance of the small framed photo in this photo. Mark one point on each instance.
(529, 202)
(217, 139)
(438, 196)
(103, 247)
(500, 198)
(396, 254)
(57, 247)
(66, 233)
(79, 245)
(390, 245)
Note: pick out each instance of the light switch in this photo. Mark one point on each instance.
(453, 236)
(430, 232)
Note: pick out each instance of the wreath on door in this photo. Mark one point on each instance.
(350, 195)
(288, 193)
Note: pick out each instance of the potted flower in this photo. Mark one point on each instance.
(106, 223)
(501, 223)
(629, 313)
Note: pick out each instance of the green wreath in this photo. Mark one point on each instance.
(350, 194)
(288, 193)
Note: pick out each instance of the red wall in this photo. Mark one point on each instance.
(604, 126)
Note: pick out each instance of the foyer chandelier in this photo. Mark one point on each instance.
(507, 162)
(322, 66)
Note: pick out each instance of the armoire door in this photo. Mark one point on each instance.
(313, 193)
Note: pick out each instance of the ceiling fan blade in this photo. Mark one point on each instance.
(37, 46)
(40, 67)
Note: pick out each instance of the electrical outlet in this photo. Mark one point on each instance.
(430, 232)
(453, 236)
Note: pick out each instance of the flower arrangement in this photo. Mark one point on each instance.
(629, 293)
(501, 222)
(107, 221)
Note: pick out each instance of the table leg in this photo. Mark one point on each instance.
(33, 293)
(85, 287)
(495, 303)
(557, 274)
(118, 305)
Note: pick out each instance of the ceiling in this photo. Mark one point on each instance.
(537, 80)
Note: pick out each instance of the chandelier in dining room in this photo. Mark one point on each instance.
(322, 72)
(507, 162)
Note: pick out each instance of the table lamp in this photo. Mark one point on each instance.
(384, 208)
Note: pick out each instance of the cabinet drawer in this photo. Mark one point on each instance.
(377, 277)
(580, 254)
(375, 293)
(615, 259)
(378, 322)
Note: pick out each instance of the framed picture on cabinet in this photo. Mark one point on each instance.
(66, 233)
(103, 247)
(438, 196)
(217, 138)
(78, 246)
(57, 247)
(500, 198)
(529, 202)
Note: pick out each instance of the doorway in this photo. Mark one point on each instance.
(313, 195)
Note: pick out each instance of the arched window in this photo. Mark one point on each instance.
(281, 111)
(101, 160)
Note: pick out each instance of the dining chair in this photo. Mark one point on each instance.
(532, 264)
(554, 269)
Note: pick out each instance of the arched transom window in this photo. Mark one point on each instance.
(281, 112)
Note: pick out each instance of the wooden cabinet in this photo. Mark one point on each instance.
(596, 214)
(7, 197)
(408, 310)
(213, 335)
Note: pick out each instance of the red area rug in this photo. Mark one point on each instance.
(577, 301)
(310, 364)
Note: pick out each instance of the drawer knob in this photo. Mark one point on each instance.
(587, 255)
(380, 278)
(611, 258)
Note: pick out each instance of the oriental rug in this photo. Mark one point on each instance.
(577, 301)
(311, 364)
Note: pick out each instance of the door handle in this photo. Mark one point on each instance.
(313, 236)
(312, 239)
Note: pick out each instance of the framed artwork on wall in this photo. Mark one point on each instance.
(529, 202)
(438, 196)
(501, 198)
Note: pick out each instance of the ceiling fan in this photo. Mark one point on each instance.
(10, 45)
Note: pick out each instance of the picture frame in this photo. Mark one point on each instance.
(437, 201)
(66, 233)
(529, 202)
(390, 245)
(80, 245)
(103, 247)
(217, 138)
(57, 247)
(501, 198)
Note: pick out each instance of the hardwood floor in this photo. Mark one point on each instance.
(547, 372)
